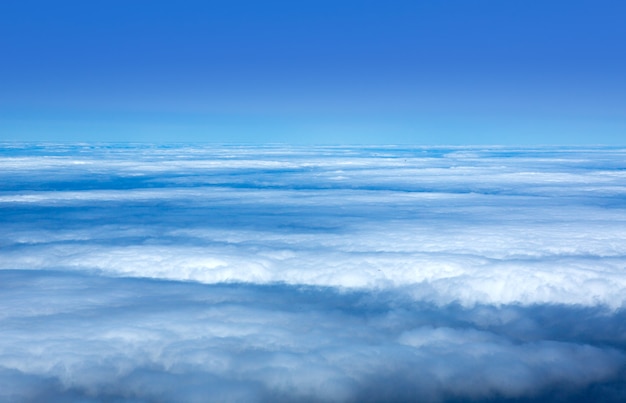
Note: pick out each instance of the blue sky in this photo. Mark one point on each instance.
(419, 72)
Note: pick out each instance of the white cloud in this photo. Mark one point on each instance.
(355, 273)
(147, 340)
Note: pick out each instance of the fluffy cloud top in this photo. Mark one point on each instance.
(197, 273)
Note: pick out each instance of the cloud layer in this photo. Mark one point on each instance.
(213, 273)
(71, 336)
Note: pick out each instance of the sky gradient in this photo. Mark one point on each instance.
(418, 72)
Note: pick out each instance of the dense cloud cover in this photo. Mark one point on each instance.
(139, 273)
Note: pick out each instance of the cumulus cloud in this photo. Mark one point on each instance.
(204, 273)
(68, 335)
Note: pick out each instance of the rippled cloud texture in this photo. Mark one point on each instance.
(342, 274)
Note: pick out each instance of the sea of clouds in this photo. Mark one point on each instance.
(195, 273)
